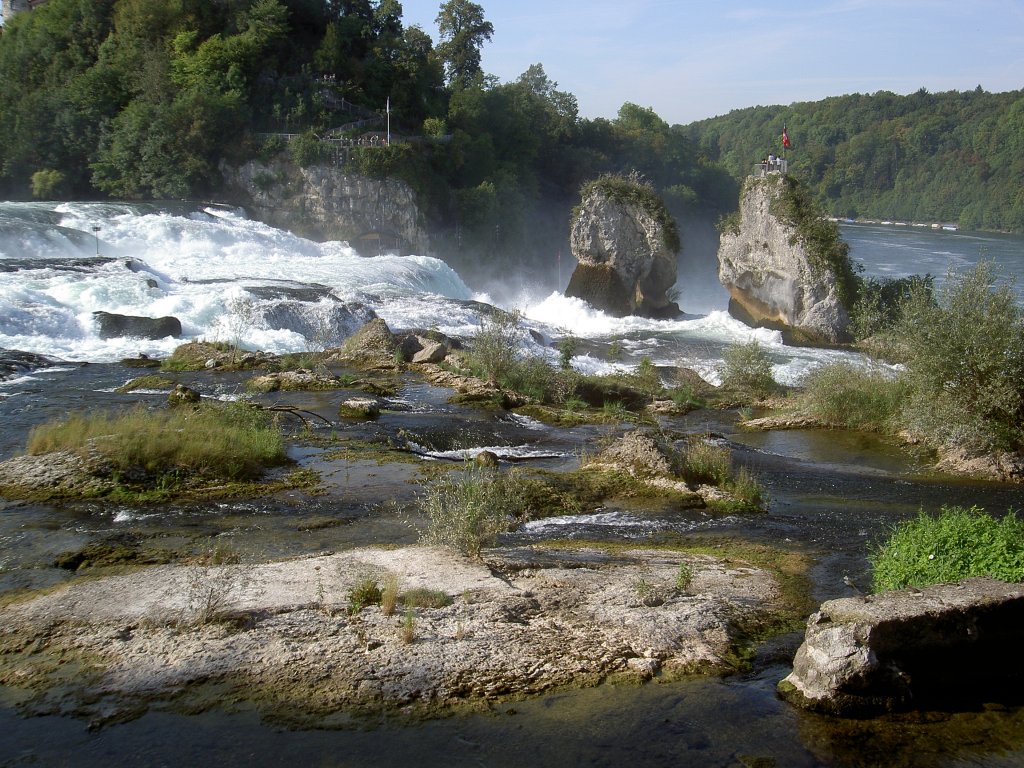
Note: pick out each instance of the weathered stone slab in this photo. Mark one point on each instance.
(911, 647)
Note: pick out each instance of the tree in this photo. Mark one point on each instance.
(463, 31)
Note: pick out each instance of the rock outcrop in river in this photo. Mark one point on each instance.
(774, 271)
(323, 202)
(905, 648)
(625, 244)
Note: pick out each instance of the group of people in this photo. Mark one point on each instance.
(773, 164)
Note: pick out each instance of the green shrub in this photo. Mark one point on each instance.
(880, 303)
(494, 349)
(956, 544)
(747, 369)
(684, 577)
(705, 462)
(965, 364)
(851, 397)
(469, 508)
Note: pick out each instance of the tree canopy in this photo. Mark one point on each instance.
(149, 98)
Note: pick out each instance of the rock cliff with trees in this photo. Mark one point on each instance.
(625, 243)
(785, 265)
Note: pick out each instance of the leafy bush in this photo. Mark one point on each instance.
(747, 368)
(232, 441)
(965, 363)
(853, 397)
(468, 509)
(880, 302)
(956, 544)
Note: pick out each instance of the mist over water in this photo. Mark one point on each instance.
(227, 278)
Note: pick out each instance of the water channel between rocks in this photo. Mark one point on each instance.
(832, 495)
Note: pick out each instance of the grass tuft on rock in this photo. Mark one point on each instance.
(214, 441)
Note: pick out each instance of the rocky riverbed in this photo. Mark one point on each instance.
(285, 636)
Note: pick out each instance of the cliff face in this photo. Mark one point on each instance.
(623, 263)
(323, 203)
(770, 275)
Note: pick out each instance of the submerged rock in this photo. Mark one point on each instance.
(112, 325)
(911, 647)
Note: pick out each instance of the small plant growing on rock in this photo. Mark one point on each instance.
(366, 592)
(684, 577)
(408, 631)
(389, 594)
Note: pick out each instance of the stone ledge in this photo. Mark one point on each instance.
(904, 649)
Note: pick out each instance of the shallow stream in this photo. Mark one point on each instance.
(832, 495)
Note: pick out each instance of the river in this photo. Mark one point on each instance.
(832, 495)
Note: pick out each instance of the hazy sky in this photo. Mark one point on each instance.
(694, 59)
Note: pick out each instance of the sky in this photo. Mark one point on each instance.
(689, 60)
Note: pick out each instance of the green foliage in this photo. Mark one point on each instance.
(956, 544)
(214, 441)
(495, 347)
(704, 461)
(747, 369)
(684, 577)
(880, 302)
(965, 363)
(853, 397)
(567, 347)
(826, 251)
(463, 31)
(425, 597)
(467, 509)
(365, 593)
(48, 184)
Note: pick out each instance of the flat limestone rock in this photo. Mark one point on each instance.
(524, 620)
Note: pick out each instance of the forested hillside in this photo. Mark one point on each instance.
(146, 99)
(949, 157)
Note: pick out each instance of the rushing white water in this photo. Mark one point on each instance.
(228, 278)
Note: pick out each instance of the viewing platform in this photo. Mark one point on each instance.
(765, 167)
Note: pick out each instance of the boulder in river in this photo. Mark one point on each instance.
(786, 270)
(112, 325)
(625, 244)
(911, 647)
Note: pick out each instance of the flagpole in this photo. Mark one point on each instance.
(389, 120)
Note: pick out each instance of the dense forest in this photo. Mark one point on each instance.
(929, 157)
(145, 99)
